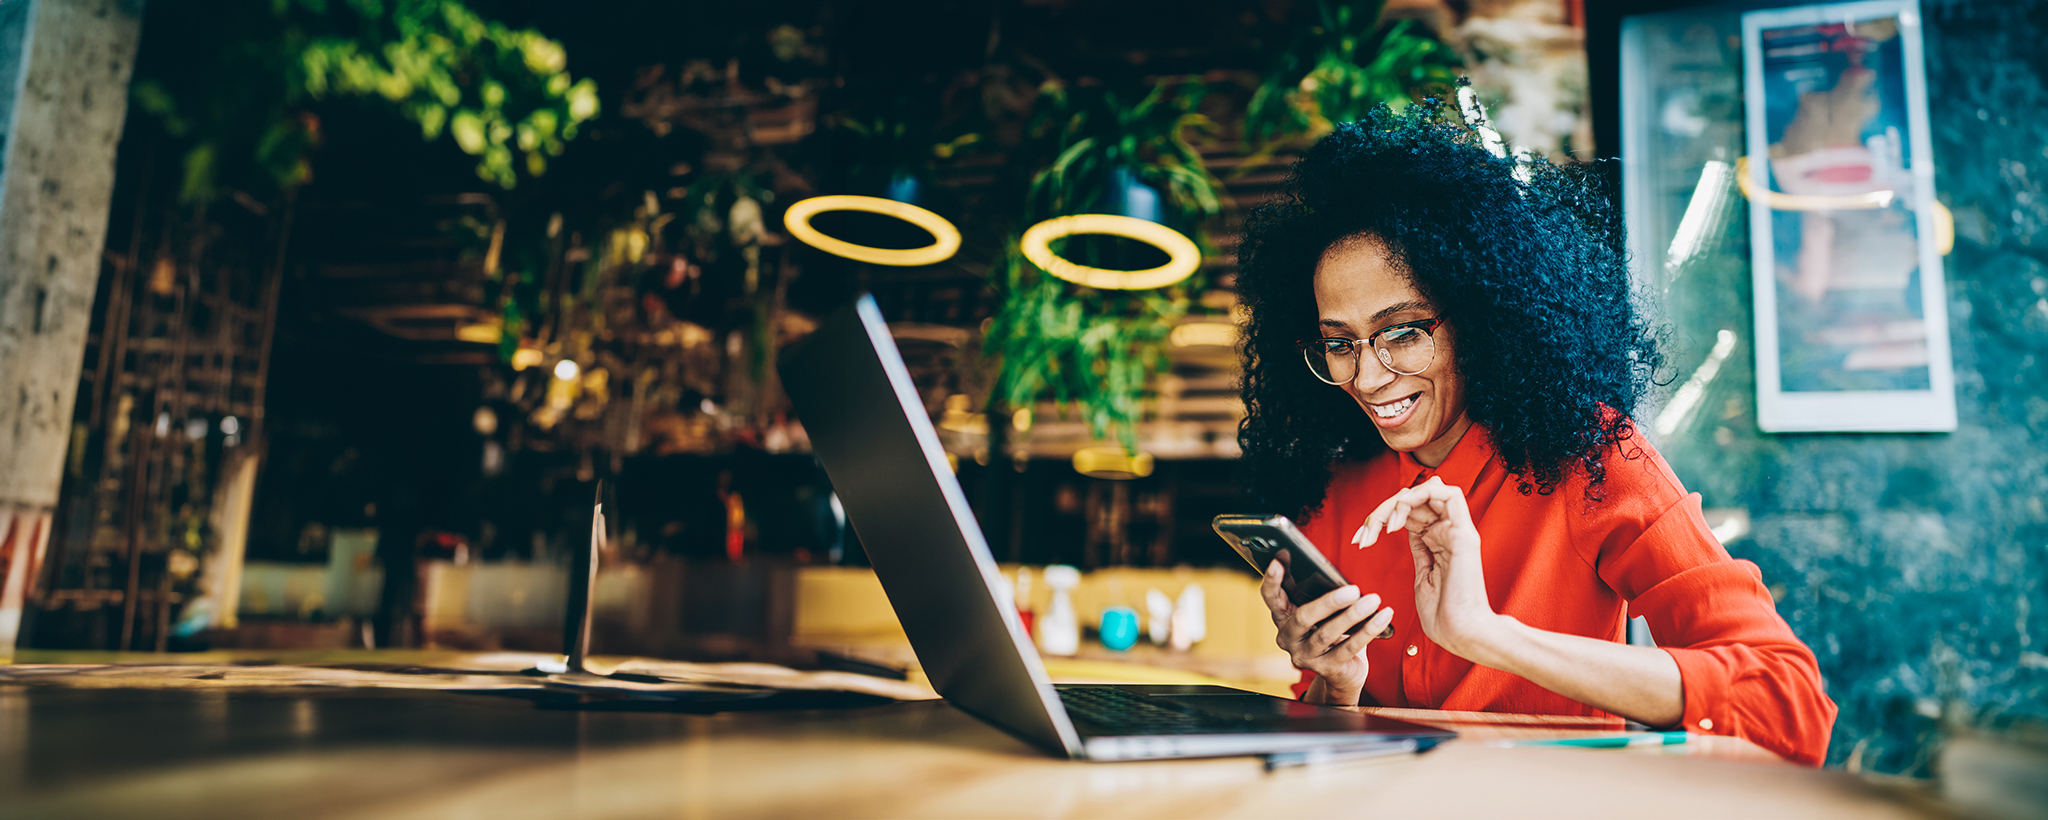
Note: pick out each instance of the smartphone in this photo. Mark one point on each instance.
(1263, 539)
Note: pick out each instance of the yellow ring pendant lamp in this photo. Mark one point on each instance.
(1182, 255)
(945, 237)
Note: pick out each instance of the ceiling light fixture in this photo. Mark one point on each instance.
(1182, 255)
(945, 237)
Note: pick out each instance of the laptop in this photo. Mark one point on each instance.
(869, 428)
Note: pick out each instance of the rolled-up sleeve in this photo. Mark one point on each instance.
(1744, 673)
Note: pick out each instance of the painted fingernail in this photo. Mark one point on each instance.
(1348, 593)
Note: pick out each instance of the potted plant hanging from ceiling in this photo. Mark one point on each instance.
(1337, 69)
(1078, 323)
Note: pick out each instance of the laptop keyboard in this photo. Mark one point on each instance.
(1109, 710)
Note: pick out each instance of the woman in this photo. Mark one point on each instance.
(1442, 342)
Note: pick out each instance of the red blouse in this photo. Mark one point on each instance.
(1561, 563)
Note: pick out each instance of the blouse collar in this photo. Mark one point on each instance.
(1459, 469)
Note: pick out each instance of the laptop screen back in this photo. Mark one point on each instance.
(871, 432)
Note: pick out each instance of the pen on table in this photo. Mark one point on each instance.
(1670, 738)
(1308, 757)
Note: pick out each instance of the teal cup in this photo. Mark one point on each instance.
(1119, 627)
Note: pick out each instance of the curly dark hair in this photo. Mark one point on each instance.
(1526, 262)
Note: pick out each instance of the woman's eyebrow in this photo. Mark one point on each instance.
(1412, 304)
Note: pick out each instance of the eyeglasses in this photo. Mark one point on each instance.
(1407, 348)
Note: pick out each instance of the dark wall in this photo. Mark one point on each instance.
(1914, 565)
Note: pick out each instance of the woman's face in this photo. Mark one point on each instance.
(1359, 291)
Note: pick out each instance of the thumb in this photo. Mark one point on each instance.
(1425, 558)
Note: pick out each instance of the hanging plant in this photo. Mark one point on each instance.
(1095, 349)
(1092, 349)
(499, 92)
(1091, 136)
(1339, 69)
(502, 95)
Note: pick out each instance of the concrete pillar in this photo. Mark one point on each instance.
(64, 67)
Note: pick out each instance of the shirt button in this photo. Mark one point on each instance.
(1411, 650)
(1706, 724)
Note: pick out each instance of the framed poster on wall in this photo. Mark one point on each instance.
(1845, 233)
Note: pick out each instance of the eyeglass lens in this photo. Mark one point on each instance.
(1404, 350)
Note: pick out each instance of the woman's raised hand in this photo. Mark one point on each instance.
(1450, 581)
(1328, 635)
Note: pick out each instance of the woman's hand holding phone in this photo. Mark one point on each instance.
(1328, 635)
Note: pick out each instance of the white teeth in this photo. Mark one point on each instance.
(1395, 409)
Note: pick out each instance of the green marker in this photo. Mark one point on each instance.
(1670, 738)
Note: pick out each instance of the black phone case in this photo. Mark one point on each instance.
(1309, 575)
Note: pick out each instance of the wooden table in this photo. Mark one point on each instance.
(398, 754)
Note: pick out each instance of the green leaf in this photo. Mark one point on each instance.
(583, 100)
(394, 87)
(468, 129)
(543, 56)
(431, 118)
(199, 169)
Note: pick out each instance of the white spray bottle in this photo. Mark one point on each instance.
(1059, 632)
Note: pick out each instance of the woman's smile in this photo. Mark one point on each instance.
(1394, 412)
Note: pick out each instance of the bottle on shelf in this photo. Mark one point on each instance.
(1023, 601)
(1190, 618)
(1060, 632)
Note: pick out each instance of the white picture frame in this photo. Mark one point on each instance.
(1845, 232)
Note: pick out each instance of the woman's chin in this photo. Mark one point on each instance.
(1405, 433)
(1404, 439)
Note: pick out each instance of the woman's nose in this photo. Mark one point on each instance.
(1372, 374)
